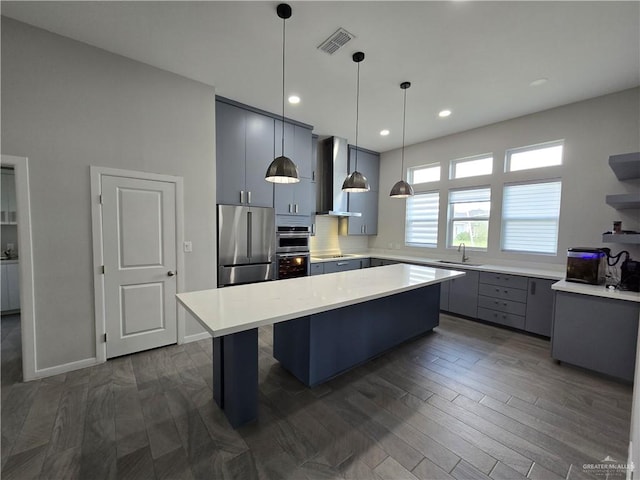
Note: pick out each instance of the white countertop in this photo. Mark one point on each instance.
(596, 291)
(485, 267)
(235, 309)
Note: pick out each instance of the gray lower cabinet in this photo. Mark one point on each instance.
(539, 306)
(444, 296)
(316, 269)
(10, 285)
(463, 294)
(379, 262)
(596, 333)
(365, 262)
(341, 266)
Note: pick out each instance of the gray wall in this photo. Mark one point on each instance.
(592, 130)
(66, 106)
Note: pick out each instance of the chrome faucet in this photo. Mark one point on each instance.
(464, 252)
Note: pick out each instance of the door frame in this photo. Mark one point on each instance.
(25, 247)
(96, 230)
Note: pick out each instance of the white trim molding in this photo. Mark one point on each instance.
(25, 247)
(96, 229)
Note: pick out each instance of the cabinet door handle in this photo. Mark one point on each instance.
(365, 229)
(340, 264)
(249, 197)
(296, 208)
(241, 196)
(498, 290)
(533, 287)
(506, 291)
(289, 208)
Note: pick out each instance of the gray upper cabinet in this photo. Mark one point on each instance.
(366, 202)
(539, 306)
(297, 198)
(244, 149)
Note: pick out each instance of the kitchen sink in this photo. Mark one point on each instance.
(453, 262)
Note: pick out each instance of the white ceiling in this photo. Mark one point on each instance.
(475, 58)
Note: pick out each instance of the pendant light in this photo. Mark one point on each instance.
(402, 189)
(282, 169)
(355, 181)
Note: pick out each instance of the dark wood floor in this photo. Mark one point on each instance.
(468, 401)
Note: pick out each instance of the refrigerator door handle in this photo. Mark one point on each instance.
(249, 234)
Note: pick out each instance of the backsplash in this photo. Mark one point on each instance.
(327, 238)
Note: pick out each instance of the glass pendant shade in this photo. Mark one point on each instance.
(401, 190)
(282, 170)
(355, 183)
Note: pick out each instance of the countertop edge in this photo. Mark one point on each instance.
(596, 291)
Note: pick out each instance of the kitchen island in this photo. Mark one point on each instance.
(323, 325)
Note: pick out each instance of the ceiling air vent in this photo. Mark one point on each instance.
(335, 41)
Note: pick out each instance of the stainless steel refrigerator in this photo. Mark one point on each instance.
(246, 244)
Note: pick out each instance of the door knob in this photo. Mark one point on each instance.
(171, 273)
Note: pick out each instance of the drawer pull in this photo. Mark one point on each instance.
(340, 264)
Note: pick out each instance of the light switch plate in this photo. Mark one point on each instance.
(188, 247)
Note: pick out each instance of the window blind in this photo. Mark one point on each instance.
(422, 219)
(470, 195)
(530, 214)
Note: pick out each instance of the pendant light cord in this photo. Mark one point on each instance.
(284, 21)
(404, 121)
(357, 115)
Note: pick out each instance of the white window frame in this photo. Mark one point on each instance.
(554, 218)
(437, 221)
(451, 219)
(453, 163)
(411, 172)
(539, 146)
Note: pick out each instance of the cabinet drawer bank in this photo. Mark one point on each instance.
(323, 325)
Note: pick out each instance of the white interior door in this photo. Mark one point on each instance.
(139, 251)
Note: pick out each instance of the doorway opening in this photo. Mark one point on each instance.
(18, 317)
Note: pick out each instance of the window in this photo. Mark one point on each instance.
(424, 173)
(530, 215)
(536, 156)
(421, 228)
(471, 167)
(469, 217)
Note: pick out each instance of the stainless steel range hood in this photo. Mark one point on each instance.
(332, 170)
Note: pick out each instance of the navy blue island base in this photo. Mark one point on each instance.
(318, 347)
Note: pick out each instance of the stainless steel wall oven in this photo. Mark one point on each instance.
(292, 251)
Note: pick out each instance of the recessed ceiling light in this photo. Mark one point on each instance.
(384, 132)
(293, 99)
(538, 82)
(444, 113)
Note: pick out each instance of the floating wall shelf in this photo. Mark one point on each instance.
(625, 166)
(628, 238)
(624, 201)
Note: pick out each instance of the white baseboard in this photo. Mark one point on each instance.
(65, 368)
(195, 337)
